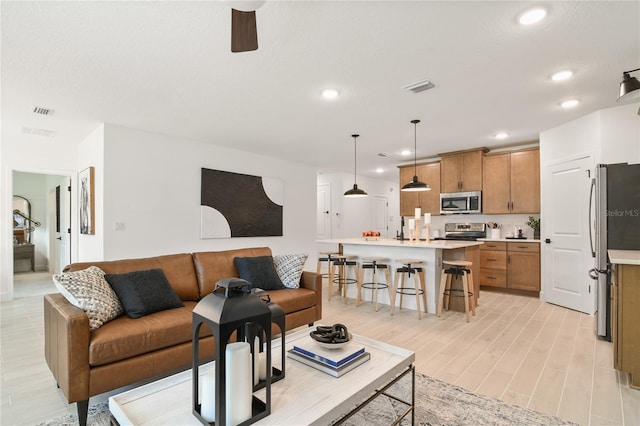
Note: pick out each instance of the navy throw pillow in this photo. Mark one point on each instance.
(144, 292)
(259, 271)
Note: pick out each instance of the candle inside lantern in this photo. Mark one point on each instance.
(412, 224)
(418, 213)
(208, 396)
(427, 218)
(256, 361)
(239, 384)
(262, 364)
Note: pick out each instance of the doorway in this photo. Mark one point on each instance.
(49, 200)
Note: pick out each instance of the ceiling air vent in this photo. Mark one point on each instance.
(42, 110)
(384, 154)
(38, 132)
(419, 86)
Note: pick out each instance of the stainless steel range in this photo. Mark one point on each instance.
(464, 231)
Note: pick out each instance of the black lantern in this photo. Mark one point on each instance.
(232, 307)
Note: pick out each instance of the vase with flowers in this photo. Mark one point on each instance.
(534, 224)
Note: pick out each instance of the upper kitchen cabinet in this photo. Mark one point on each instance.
(461, 170)
(429, 201)
(511, 182)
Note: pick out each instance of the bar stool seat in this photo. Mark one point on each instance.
(410, 266)
(451, 268)
(343, 262)
(373, 264)
(326, 256)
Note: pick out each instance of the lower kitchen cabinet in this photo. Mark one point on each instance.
(514, 265)
(625, 317)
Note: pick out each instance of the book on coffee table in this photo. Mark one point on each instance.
(331, 357)
(327, 368)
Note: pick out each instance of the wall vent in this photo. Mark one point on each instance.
(38, 132)
(42, 110)
(385, 154)
(419, 86)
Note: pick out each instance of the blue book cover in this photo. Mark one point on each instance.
(332, 357)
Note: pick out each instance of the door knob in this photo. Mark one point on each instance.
(327, 212)
(59, 238)
(547, 240)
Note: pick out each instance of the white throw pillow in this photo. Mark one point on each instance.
(89, 291)
(289, 268)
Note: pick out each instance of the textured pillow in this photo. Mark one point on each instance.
(89, 291)
(259, 271)
(289, 268)
(144, 292)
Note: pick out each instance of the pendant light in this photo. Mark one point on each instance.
(355, 191)
(415, 185)
(629, 87)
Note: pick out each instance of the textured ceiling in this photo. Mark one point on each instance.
(166, 67)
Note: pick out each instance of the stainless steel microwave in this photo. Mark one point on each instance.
(461, 202)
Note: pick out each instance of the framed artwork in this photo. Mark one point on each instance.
(237, 205)
(87, 202)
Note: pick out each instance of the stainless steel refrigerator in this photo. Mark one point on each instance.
(615, 204)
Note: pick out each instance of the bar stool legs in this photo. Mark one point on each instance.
(374, 264)
(457, 268)
(326, 256)
(343, 263)
(409, 267)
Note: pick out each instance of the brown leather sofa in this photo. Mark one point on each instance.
(125, 351)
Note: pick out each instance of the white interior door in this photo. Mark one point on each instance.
(565, 234)
(54, 235)
(380, 206)
(323, 212)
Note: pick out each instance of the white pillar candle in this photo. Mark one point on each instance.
(262, 362)
(427, 218)
(239, 385)
(412, 224)
(208, 396)
(418, 213)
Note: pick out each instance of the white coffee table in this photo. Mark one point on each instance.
(305, 396)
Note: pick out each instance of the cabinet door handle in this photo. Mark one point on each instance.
(492, 278)
(509, 259)
(491, 260)
(523, 247)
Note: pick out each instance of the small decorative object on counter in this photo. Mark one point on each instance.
(371, 235)
(534, 224)
(494, 230)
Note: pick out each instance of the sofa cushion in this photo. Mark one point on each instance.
(289, 268)
(124, 337)
(88, 290)
(259, 271)
(144, 292)
(293, 299)
(213, 266)
(178, 268)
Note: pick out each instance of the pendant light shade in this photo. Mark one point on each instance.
(415, 185)
(629, 87)
(355, 191)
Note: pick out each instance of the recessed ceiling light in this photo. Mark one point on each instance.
(330, 93)
(379, 170)
(569, 103)
(562, 75)
(405, 152)
(502, 135)
(532, 16)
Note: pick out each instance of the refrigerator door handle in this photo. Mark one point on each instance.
(591, 242)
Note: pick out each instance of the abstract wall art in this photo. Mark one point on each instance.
(238, 205)
(87, 202)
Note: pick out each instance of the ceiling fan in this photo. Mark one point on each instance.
(244, 34)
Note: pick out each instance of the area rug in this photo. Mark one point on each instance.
(437, 403)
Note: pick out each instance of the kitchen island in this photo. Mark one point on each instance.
(431, 253)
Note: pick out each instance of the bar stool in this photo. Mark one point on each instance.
(326, 256)
(456, 268)
(373, 264)
(410, 266)
(344, 263)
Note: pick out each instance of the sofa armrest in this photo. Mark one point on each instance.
(313, 281)
(66, 346)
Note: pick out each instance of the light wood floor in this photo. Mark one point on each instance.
(517, 349)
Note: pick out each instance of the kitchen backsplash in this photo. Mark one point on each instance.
(509, 222)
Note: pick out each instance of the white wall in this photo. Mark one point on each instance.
(620, 134)
(152, 186)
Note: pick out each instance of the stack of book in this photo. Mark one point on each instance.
(335, 362)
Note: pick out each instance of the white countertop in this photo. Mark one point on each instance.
(369, 241)
(511, 240)
(624, 257)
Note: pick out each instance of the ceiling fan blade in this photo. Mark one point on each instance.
(244, 35)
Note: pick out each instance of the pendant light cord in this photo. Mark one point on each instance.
(415, 149)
